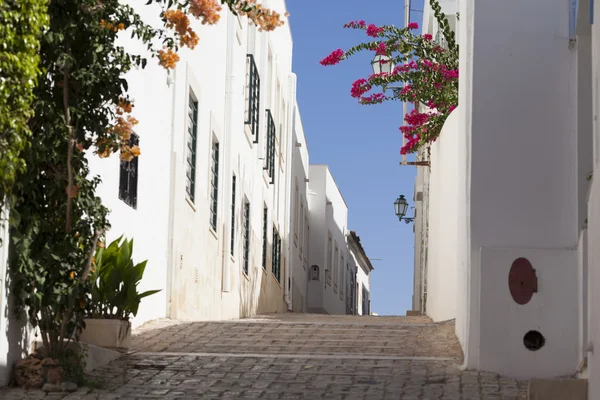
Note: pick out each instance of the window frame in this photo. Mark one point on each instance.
(270, 159)
(192, 147)
(129, 175)
(214, 183)
(233, 193)
(252, 101)
(246, 238)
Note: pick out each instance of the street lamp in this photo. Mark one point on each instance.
(384, 64)
(400, 206)
(381, 64)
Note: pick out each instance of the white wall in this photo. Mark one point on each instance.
(188, 260)
(16, 334)
(594, 225)
(328, 215)
(520, 120)
(443, 243)
(299, 216)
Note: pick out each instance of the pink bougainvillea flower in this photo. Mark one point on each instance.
(373, 99)
(381, 49)
(334, 58)
(356, 24)
(374, 31)
(413, 25)
(360, 87)
(427, 36)
(406, 90)
(438, 49)
(451, 108)
(449, 74)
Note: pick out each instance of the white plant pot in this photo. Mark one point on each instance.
(110, 333)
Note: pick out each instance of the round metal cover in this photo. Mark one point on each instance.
(522, 281)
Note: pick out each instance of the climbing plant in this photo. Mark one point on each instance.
(21, 23)
(426, 68)
(80, 108)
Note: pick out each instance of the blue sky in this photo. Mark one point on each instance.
(361, 144)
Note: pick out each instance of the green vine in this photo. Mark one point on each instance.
(21, 22)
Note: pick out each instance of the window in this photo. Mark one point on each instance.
(190, 172)
(276, 261)
(335, 268)
(252, 96)
(314, 273)
(329, 261)
(264, 244)
(307, 233)
(128, 176)
(270, 167)
(301, 230)
(296, 211)
(341, 280)
(214, 185)
(233, 214)
(246, 236)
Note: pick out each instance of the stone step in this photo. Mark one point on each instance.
(557, 389)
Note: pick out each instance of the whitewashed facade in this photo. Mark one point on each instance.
(208, 203)
(300, 234)
(509, 179)
(329, 257)
(361, 294)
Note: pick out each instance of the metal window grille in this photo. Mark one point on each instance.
(246, 236)
(265, 232)
(252, 96)
(128, 176)
(233, 215)
(214, 193)
(191, 148)
(270, 146)
(276, 268)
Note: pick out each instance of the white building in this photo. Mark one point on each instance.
(212, 203)
(332, 270)
(361, 292)
(300, 216)
(509, 196)
(208, 202)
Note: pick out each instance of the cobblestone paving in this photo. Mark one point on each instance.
(293, 357)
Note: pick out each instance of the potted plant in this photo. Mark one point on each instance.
(114, 296)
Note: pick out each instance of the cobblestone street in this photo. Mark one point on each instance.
(293, 357)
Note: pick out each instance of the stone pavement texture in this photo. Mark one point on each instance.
(293, 356)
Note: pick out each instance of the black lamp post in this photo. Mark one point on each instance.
(400, 206)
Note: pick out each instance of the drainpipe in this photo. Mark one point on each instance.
(291, 104)
(227, 181)
(171, 265)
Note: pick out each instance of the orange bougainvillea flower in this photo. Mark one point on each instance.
(179, 21)
(72, 274)
(208, 10)
(167, 58)
(135, 150)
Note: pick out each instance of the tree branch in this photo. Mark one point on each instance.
(71, 144)
(88, 264)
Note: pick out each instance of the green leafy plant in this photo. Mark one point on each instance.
(114, 293)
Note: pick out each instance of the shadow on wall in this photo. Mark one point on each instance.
(16, 333)
(260, 293)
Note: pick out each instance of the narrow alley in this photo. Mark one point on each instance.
(289, 356)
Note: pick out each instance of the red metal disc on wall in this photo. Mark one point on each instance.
(522, 281)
